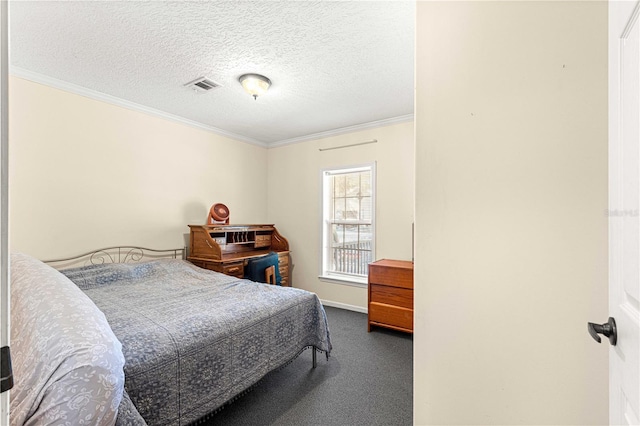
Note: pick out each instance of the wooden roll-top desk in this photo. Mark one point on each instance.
(227, 248)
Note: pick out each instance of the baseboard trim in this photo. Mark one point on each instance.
(344, 306)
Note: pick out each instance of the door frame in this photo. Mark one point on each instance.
(4, 196)
(623, 18)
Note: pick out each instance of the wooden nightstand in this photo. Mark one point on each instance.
(391, 294)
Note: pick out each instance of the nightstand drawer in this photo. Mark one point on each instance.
(396, 277)
(390, 315)
(391, 295)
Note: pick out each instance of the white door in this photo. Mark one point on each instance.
(624, 210)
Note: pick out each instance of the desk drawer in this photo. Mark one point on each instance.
(285, 281)
(391, 315)
(396, 296)
(263, 241)
(236, 269)
(213, 266)
(284, 270)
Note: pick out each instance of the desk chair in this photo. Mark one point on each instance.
(270, 275)
(264, 269)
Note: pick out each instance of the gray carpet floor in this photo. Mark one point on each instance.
(368, 380)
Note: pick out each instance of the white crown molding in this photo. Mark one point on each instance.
(92, 94)
(343, 130)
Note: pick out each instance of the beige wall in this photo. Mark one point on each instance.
(295, 203)
(85, 174)
(511, 193)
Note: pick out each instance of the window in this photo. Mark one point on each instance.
(348, 225)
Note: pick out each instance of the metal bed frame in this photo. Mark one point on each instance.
(128, 254)
(118, 254)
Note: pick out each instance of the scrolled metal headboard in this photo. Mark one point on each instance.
(120, 254)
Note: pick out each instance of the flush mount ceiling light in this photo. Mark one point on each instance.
(255, 84)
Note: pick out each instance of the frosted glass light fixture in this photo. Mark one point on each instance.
(255, 84)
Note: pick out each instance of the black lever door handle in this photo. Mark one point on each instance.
(608, 329)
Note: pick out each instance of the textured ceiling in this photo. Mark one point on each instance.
(333, 64)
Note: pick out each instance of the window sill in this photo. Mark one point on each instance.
(356, 282)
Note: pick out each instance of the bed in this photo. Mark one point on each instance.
(188, 339)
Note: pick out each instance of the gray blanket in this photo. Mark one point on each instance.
(67, 363)
(193, 339)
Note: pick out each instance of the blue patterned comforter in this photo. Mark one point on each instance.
(192, 338)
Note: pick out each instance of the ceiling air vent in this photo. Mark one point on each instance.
(202, 85)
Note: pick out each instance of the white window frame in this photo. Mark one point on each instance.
(325, 224)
